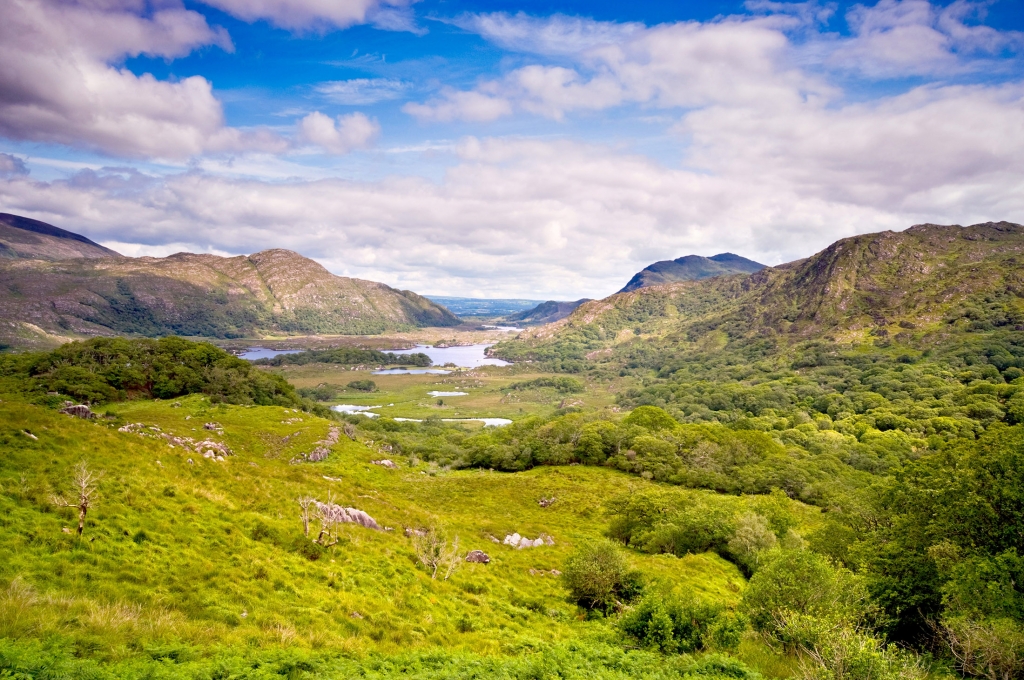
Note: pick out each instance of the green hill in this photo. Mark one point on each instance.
(31, 239)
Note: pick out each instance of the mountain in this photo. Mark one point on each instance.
(905, 285)
(273, 291)
(546, 312)
(21, 237)
(690, 268)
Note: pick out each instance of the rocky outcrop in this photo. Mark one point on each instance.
(336, 513)
(478, 556)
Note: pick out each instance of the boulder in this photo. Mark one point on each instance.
(384, 462)
(478, 556)
(78, 411)
(337, 513)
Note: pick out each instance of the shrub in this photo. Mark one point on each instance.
(598, 577)
(363, 385)
(685, 625)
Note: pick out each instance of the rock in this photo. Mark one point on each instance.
(520, 542)
(384, 462)
(336, 513)
(512, 540)
(478, 556)
(545, 502)
(492, 539)
(555, 572)
(211, 426)
(78, 411)
(410, 532)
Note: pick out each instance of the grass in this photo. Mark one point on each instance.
(406, 396)
(204, 557)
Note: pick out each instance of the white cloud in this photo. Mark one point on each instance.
(301, 15)
(554, 35)
(674, 65)
(354, 131)
(897, 38)
(11, 166)
(362, 91)
(561, 219)
(58, 84)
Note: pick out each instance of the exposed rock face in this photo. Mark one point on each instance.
(191, 294)
(478, 556)
(347, 515)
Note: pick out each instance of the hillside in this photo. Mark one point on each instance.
(691, 268)
(546, 312)
(902, 285)
(273, 291)
(31, 239)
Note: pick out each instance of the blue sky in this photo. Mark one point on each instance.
(507, 149)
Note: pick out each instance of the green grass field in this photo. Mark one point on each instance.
(204, 558)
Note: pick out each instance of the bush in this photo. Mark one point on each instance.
(802, 583)
(598, 577)
(686, 625)
(363, 385)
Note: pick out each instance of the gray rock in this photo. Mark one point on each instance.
(478, 556)
(78, 411)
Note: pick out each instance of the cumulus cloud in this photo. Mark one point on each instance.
(565, 219)
(354, 131)
(897, 38)
(58, 82)
(675, 65)
(301, 15)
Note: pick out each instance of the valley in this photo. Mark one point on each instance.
(766, 475)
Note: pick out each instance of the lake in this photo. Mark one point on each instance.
(467, 356)
(254, 353)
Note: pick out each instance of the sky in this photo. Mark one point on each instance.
(544, 150)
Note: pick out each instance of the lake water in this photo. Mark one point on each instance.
(435, 393)
(352, 408)
(467, 356)
(254, 353)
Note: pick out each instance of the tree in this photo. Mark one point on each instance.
(85, 484)
(434, 552)
(753, 536)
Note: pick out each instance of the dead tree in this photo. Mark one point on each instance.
(328, 520)
(304, 503)
(85, 485)
(434, 552)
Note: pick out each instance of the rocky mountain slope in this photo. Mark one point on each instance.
(21, 237)
(273, 291)
(691, 268)
(546, 312)
(927, 279)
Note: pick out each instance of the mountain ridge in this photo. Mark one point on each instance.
(196, 294)
(691, 267)
(927, 279)
(23, 237)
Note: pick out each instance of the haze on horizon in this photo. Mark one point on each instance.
(508, 149)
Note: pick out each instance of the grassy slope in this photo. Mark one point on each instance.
(202, 557)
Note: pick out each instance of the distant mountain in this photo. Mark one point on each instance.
(692, 268)
(21, 237)
(464, 306)
(546, 312)
(270, 292)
